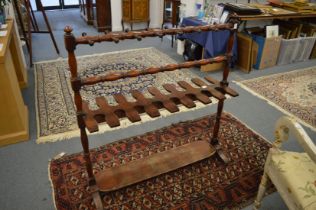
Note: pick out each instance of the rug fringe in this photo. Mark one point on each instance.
(124, 124)
(36, 103)
(51, 184)
(274, 104)
(276, 74)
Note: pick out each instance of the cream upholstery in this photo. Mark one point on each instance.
(292, 173)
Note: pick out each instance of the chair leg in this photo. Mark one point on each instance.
(261, 191)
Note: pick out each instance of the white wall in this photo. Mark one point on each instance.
(155, 11)
(116, 11)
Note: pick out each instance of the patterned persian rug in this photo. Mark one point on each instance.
(207, 184)
(56, 117)
(293, 93)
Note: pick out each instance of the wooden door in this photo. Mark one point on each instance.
(140, 10)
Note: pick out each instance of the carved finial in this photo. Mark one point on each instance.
(68, 29)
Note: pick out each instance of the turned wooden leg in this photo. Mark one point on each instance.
(261, 191)
(122, 22)
(214, 140)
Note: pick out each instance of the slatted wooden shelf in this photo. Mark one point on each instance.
(151, 105)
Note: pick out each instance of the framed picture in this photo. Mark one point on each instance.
(272, 31)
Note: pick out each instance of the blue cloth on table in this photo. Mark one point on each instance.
(213, 42)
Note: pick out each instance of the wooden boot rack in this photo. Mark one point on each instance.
(156, 164)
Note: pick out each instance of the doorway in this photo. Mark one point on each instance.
(59, 4)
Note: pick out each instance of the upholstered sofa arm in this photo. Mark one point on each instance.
(284, 126)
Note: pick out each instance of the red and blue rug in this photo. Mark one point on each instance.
(207, 184)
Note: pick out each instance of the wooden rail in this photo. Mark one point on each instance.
(117, 36)
(151, 70)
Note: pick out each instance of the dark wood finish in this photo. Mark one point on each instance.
(135, 11)
(86, 11)
(97, 13)
(132, 110)
(174, 18)
(117, 36)
(89, 119)
(151, 70)
(122, 176)
(102, 16)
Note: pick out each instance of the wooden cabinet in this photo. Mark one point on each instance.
(102, 19)
(135, 11)
(97, 13)
(14, 121)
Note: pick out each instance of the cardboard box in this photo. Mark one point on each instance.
(212, 66)
(268, 51)
(245, 51)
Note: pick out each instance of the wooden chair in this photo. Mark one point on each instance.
(292, 173)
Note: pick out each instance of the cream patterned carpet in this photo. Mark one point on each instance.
(293, 92)
(56, 118)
